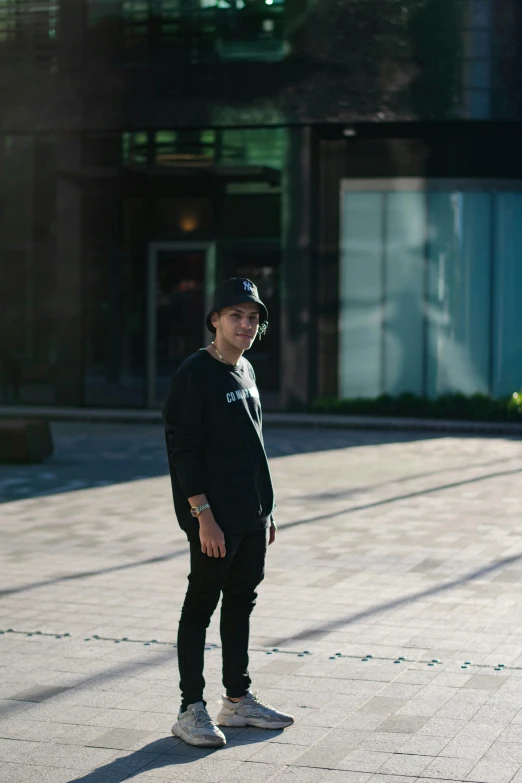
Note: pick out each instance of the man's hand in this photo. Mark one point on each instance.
(272, 534)
(211, 536)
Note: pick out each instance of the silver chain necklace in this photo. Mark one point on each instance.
(222, 357)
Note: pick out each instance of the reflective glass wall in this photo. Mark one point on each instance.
(507, 340)
(197, 31)
(255, 62)
(458, 292)
(103, 234)
(429, 290)
(29, 332)
(179, 195)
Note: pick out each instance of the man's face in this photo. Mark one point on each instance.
(238, 325)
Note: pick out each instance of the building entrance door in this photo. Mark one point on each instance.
(181, 280)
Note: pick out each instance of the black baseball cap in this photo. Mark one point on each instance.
(234, 291)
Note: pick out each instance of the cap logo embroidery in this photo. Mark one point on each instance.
(247, 285)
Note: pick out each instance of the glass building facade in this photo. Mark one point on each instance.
(28, 331)
(110, 245)
(150, 148)
(430, 283)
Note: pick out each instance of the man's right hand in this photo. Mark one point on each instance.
(211, 536)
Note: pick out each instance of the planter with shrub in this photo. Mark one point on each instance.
(477, 407)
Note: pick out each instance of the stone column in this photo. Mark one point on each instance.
(68, 275)
(297, 321)
(332, 155)
(67, 300)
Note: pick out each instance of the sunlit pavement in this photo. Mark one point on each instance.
(389, 622)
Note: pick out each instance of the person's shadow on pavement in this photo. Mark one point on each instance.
(166, 752)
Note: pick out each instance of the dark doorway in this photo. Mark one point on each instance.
(179, 311)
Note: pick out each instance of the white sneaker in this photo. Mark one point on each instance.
(196, 727)
(251, 711)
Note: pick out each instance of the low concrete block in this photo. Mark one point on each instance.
(25, 440)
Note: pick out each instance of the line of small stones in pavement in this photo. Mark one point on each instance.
(299, 654)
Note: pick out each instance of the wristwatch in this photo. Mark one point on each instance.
(196, 510)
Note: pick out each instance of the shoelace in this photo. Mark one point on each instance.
(202, 718)
(254, 698)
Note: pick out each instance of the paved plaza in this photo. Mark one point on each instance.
(389, 622)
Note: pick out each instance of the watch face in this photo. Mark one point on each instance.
(193, 512)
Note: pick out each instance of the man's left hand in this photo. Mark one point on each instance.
(272, 534)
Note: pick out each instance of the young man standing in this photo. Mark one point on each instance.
(224, 502)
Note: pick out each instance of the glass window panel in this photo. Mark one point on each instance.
(171, 147)
(180, 312)
(459, 251)
(200, 30)
(361, 295)
(28, 32)
(114, 325)
(135, 147)
(116, 228)
(507, 339)
(253, 147)
(28, 338)
(479, 103)
(479, 75)
(404, 287)
(480, 13)
(477, 44)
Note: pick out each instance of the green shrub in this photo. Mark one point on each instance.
(515, 404)
(477, 407)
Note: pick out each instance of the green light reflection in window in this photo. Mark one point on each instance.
(232, 29)
(17, 17)
(253, 147)
(206, 147)
(135, 145)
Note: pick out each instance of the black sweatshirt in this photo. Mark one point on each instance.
(215, 444)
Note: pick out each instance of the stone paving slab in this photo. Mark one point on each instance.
(389, 623)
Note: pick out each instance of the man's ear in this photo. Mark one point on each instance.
(214, 319)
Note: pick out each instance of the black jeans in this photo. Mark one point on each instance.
(237, 576)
